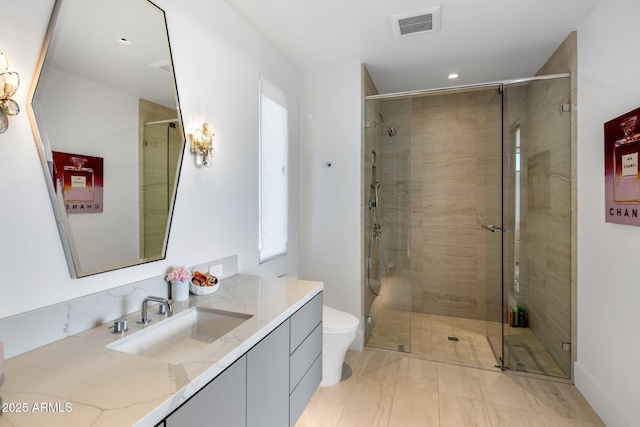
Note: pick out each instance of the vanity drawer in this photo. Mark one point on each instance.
(302, 359)
(304, 321)
(304, 391)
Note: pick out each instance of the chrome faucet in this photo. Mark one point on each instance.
(163, 301)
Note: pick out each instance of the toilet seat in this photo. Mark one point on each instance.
(338, 322)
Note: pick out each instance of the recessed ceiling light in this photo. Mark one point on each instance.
(123, 41)
(453, 76)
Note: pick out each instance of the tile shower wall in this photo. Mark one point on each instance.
(159, 152)
(448, 247)
(395, 194)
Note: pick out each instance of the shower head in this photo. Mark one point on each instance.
(391, 131)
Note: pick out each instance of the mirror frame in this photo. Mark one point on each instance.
(43, 146)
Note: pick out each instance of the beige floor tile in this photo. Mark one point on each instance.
(449, 348)
(379, 366)
(559, 399)
(326, 405)
(472, 349)
(526, 350)
(369, 404)
(354, 359)
(553, 421)
(457, 411)
(506, 416)
(414, 407)
(316, 415)
(418, 373)
(459, 381)
(497, 387)
(399, 390)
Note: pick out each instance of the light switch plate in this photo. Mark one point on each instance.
(216, 270)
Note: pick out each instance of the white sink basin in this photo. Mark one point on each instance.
(177, 338)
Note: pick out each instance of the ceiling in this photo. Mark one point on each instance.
(482, 40)
(85, 43)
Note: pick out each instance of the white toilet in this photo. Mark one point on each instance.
(339, 329)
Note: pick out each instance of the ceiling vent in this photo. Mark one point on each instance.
(416, 22)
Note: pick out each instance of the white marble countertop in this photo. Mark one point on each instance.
(78, 382)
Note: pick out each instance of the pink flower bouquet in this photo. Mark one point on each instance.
(179, 274)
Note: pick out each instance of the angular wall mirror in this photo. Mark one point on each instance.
(105, 114)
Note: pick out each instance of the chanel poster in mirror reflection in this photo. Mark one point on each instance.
(622, 178)
(78, 178)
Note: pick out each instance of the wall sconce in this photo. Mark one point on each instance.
(9, 82)
(202, 144)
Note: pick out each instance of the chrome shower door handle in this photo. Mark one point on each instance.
(493, 228)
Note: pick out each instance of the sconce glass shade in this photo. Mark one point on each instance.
(202, 144)
(4, 121)
(9, 82)
(10, 107)
(4, 62)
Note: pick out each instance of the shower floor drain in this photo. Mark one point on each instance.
(453, 338)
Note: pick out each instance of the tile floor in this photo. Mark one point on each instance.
(426, 336)
(390, 389)
(526, 350)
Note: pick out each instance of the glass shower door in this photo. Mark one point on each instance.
(387, 222)
(160, 154)
(538, 262)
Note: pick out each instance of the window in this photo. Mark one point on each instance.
(273, 195)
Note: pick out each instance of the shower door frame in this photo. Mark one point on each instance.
(497, 342)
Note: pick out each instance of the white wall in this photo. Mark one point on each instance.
(606, 371)
(105, 123)
(218, 58)
(331, 236)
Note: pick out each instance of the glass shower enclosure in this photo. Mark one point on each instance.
(160, 151)
(387, 224)
(467, 224)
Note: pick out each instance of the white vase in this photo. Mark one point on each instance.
(179, 291)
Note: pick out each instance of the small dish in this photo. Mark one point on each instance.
(203, 284)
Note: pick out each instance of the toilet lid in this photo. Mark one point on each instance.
(338, 322)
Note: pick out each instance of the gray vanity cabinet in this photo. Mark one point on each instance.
(221, 402)
(270, 385)
(305, 361)
(268, 380)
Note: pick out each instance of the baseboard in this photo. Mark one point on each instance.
(600, 399)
